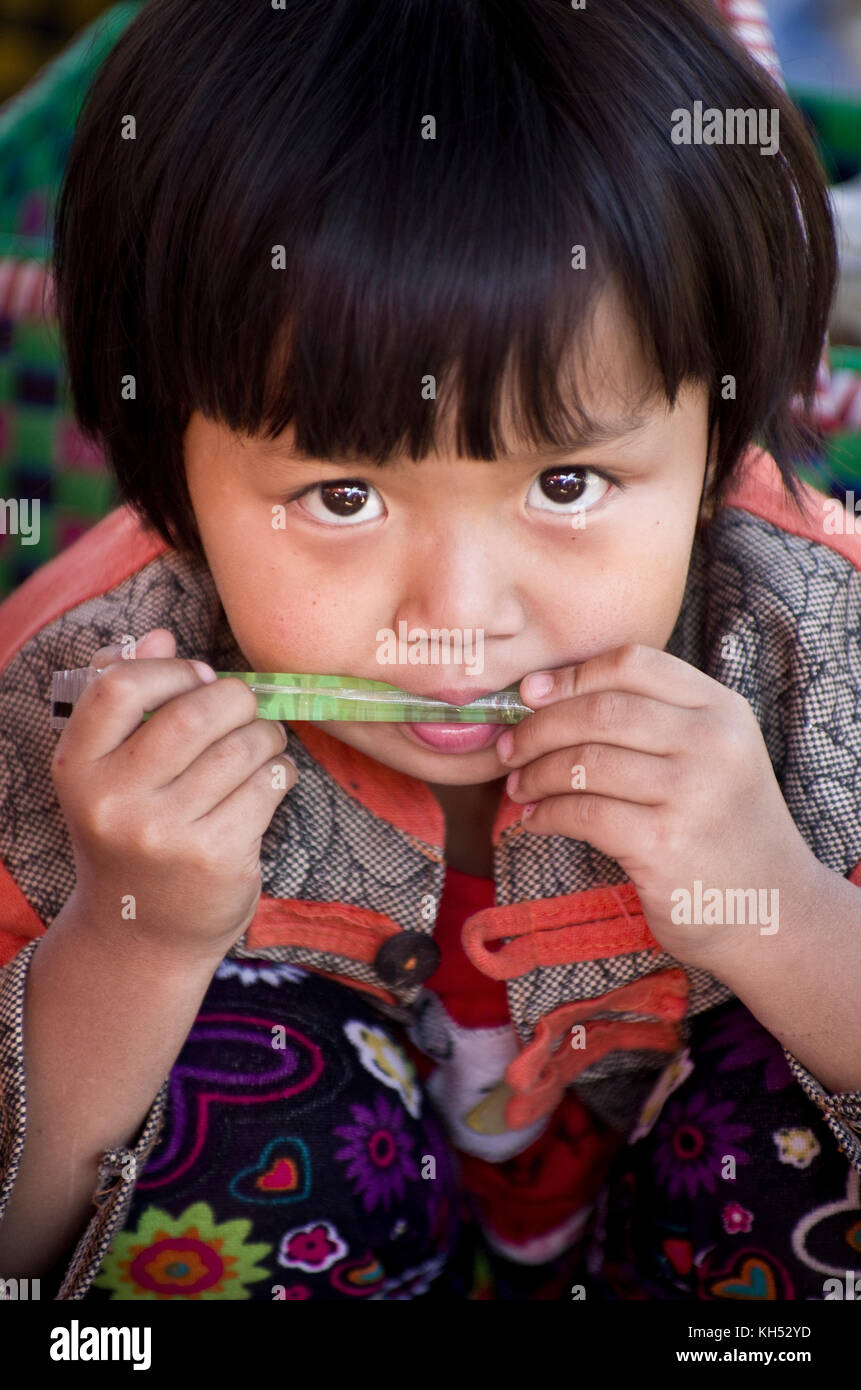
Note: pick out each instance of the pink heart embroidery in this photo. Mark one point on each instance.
(280, 1178)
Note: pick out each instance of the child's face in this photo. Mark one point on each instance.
(450, 543)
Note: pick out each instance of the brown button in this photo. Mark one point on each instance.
(407, 959)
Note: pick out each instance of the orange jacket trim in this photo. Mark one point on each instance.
(548, 931)
(340, 929)
(539, 1074)
(112, 550)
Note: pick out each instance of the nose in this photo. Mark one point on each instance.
(462, 579)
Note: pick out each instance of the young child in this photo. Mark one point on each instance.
(458, 1011)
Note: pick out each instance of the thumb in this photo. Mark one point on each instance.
(158, 642)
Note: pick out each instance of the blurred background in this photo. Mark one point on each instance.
(818, 42)
(49, 52)
(32, 32)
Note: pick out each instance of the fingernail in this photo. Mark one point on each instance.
(537, 686)
(528, 809)
(505, 745)
(205, 672)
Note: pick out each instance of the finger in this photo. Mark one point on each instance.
(184, 728)
(158, 642)
(111, 707)
(225, 765)
(605, 717)
(634, 667)
(251, 807)
(597, 768)
(611, 826)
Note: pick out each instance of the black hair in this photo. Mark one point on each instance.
(305, 125)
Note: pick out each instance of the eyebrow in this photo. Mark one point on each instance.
(597, 433)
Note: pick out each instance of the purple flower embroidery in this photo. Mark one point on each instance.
(691, 1140)
(377, 1152)
(748, 1042)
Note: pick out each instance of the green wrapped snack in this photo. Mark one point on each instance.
(295, 696)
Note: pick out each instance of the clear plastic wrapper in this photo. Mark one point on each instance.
(296, 696)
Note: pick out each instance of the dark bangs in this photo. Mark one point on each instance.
(408, 258)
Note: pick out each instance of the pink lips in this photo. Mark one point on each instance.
(454, 738)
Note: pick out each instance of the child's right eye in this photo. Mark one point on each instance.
(341, 503)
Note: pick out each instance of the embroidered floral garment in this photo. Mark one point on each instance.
(302, 1158)
(299, 1158)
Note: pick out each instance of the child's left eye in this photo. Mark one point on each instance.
(341, 503)
(573, 489)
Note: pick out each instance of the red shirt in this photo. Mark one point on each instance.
(470, 998)
(529, 1201)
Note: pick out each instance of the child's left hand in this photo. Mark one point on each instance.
(677, 785)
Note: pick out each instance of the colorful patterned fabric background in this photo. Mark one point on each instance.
(42, 454)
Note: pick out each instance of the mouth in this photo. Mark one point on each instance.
(456, 737)
(453, 738)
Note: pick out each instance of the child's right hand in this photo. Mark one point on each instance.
(171, 811)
